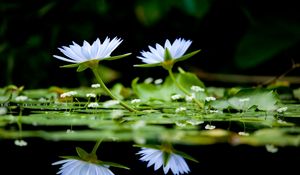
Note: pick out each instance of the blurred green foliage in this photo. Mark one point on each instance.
(234, 35)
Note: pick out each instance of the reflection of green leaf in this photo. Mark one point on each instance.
(113, 165)
(168, 88)
(82, 153)
(264, 40)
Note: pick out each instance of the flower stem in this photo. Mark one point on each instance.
(96, 73)
(201, 105)
(96, 147)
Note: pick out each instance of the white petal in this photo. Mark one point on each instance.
(69, 53)
(103, 47)
(65, 59)
(161, 50)
(86, 50)
(95, 48)
(112, 46)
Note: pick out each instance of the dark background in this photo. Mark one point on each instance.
(248, 37)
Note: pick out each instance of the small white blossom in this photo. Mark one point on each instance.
(97, 51)
(176, 97)
(210, 99)
(148, 80)
(210, 127)
(195, 122)
(271, 148)
(79, 167)
(242, 100)
(156, 157)
(197, 89)
(93, 105)
(95, 85)
(213, 111)
(20, 143)
(180, 109)
(21, 98)
(68, 94)
(91, 95)
(282, 109)
(70, 131)
(243, 133)
(3, 110)
(135, 101)
(158, 81)
(190, 98)
(110, 103)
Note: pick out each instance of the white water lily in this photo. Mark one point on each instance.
(78, 167)
(96, 51)
(155, 157)
(157, 55)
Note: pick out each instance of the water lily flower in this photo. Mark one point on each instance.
(90, 52)
(73, 166)
(166, 55)
(156, 157)
(86, 163)
(89, 56)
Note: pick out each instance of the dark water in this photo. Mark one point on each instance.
(36, 158)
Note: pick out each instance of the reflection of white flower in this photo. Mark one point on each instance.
(79, 167)
(20, 143)
(156, 157)
(210, 127)
(157, 55)
(271, 148)
(97, 51)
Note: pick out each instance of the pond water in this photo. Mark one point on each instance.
(239, 138)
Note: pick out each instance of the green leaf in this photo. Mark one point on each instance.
(70, 65)
(167, 56)
(187, 56)
(148, 65)
(82, 67)
(164, 92)
(82, 153)
(117, 57)
(113, 165)
(166, 158)
(158, 147)
(261, 99)
(185, 155)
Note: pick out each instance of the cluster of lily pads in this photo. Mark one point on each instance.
(180, 99)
